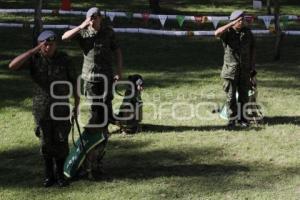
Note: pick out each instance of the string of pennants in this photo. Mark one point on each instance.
(143, 30)
(163, 18)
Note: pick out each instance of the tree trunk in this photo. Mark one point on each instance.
(269, 11)
(45, 3)
(279, 33)
(154, 6)
(38, 25)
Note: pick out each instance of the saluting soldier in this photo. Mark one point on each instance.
(239, 65)
(50, 101)
(99, 46)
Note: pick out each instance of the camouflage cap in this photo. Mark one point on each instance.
(46, 35)
(236, 14)
(93, 11)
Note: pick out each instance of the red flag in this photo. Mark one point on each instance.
(146, 17)
(65, 5)
(249, 19)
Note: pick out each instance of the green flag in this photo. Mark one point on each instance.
(180, 20)
(129, 15)
(284, 21)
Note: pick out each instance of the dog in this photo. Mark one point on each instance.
(131, 110)
(254, 109)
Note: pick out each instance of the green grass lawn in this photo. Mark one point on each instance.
(169, 159)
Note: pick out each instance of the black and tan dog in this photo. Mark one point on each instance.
(131, 112)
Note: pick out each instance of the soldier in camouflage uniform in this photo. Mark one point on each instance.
(50, 101)
(98, 44)
(239, 64)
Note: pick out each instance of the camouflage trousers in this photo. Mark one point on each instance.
(236, 105)
(100, 109)
(54, 138)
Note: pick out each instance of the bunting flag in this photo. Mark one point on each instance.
(180, 20)
(66, 11)
(214, 20)
(249, 19)
(284, 21)
(162, 19)
(267, 20)
(150, 31)
(111, 16)
(146, 17)
(65, 5)
(129, 15)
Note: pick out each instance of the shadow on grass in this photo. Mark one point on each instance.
(20, 167)
(23, 167)
(165, 128)
(132, 160)
(143, 164)
(282, 120)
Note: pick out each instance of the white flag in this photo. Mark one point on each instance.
(111, 16)
(162, 19)
(267, 20)
(214, 20)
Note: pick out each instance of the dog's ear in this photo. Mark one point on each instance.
(141, 77)
(129, 77)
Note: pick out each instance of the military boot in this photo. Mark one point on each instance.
(61, 181)
(49, 173)
(244, 123)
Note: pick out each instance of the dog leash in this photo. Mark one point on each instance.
(75, 121)
(119, 93)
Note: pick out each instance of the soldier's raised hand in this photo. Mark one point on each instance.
(85, 23)
(238, 20)
(19, 61)
(38, 47)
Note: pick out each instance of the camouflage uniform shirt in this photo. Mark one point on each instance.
(98, 48)
(44, 72)
(237, 52)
